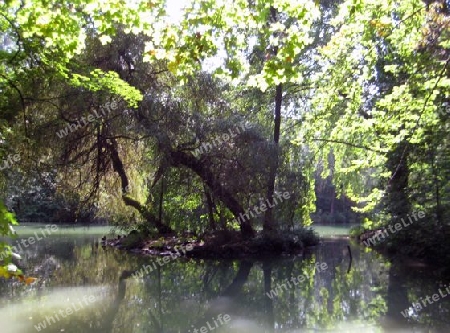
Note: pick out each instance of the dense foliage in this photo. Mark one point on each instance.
(113, 111)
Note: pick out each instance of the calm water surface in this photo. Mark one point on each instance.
(83, 287)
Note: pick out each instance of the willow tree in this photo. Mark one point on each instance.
(40, 40)
(280, 30)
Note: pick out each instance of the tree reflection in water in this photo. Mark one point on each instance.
(186, 293)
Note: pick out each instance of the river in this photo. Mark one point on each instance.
(339, 286)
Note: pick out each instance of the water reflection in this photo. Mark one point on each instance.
(185, 295)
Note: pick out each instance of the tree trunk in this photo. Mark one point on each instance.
(161, 200)
(437, 188)
(188, 160)
(210, 206)
(222, 221)
(129, 201)
(333, 197)
(397, 201)
(269, 225)
(268, 217)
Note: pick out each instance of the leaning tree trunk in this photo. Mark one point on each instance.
(217, 189)
(127, 199)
